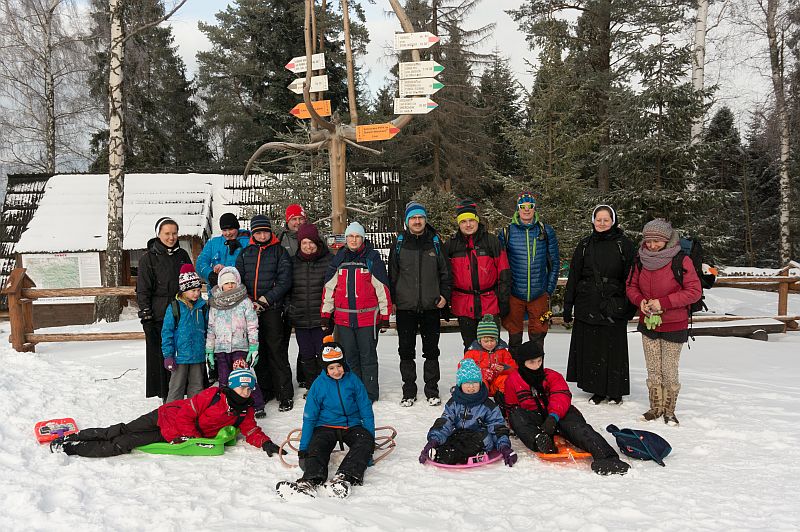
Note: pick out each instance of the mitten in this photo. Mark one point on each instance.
(509, 456)
(301, 456)
(270, 448)
(490, 374)
(423, 456)
(146, 315)
(169, 363)
(549, 425)
(210, 357)
(567, 314)
(252, 355)
(180, 439)
(327, 327)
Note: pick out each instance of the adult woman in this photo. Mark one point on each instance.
(598, 350)
(653, 287)
(156, 286)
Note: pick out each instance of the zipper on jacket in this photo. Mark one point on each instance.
(419, 275)
(528, 262)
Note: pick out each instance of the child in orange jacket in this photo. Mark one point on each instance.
(491, 354)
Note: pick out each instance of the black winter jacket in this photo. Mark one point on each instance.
(596, 298)
(419, 273)
(157, 278)
(305, 298)
(266, 270)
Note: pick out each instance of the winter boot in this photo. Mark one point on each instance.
(610, 466)
(287, 489)
(311, 369)
(656, 393)
(286, 405)
(596, 399)
(408, 401)
(670, 398)
(514, 341)
(434, 401)
(338, 487)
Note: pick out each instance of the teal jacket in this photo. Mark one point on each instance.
(187, 341)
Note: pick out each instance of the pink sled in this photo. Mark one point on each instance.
(474, 461)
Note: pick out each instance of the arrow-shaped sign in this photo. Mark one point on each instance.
(411, 41)
(373, 132)
(318, 83)
(416, 87)
(420, 69)
(298, 64)
(414, 106)
(323, 108)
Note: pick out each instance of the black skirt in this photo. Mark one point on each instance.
(598, 358)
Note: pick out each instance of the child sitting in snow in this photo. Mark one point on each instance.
(470, 424)
(232, 338)
(337, 410)
(540, 405)
(492, 356)
(201, 416)
(182, 343)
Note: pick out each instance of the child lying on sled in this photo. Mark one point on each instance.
(201, 416)
(470, 424)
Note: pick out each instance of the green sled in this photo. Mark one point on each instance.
(196, 446)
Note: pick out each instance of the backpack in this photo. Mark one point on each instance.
(437, 245)
(176, 312)
(641, 444)
(694, 250)
(504, 233)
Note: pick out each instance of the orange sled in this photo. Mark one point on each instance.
(384, 444)
(566, 452)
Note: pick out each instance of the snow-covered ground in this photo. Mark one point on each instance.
(734, 463)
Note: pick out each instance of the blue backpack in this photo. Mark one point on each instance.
(641, 444)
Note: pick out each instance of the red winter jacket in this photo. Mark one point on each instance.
(661, 284)
(557, 397)
(198, 418)
(494, 381)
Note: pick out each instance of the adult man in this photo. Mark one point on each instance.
(295, 216)
(532, 249)
(221, 251)
(420, 286)
(481, 279)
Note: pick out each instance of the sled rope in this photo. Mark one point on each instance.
(384, 444)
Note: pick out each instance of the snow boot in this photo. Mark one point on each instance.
(286, 405)
(596, 399)
(338, 487)
(514, 343)
(670, 398)
(260, 414)
(287, 489)
(434, 401)
(610, 466)
(656, 393)
(408, 401)
(545, 443)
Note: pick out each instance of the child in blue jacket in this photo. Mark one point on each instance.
(184, 344)
(337, 410)
(470, 424)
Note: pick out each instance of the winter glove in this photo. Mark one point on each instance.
(383, 325)
(210, 357)
(490, 374)
(252, 355)
(509, 456)
(652, 321)
(180, 439)
(213, 277)
(445, 313)
(423, 456)
(327, 328)
(270, 448)
(567, 315)
(549, 425)
(233, 245)
(146, 315)
(301, 455)
(169, 363)
(262, 304)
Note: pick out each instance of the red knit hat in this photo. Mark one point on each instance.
(295, 209)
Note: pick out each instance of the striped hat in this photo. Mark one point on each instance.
(242, 377)
(331, 352)
(188, 279)
(467, 210)
(526, 197)
(414, 208)
(488, 327)
(164, 220)
(468, 371)
(658, 229)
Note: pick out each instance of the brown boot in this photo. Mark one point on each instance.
(670, 398)
(656, 393)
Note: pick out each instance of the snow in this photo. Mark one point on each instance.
(734, 463)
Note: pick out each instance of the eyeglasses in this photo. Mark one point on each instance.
(526, 206)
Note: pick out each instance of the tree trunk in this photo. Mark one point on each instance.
(337, 151)
(351, 81)
(698, 64)
(49, 96)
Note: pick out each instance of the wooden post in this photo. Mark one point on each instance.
(783, 294)
(338, 173)
(16, 312)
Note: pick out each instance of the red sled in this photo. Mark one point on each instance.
(54, 428)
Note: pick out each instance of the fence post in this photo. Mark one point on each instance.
(16, 312)
(783, 294)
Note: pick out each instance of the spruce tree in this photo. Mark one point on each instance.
(499, 95)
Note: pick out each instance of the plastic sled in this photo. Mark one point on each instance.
(54, 428)
(473, 461)
(384, 445)
(566, 452)
(196, 446)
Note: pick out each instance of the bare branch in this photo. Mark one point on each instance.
(135, 31)
(279, 145)
(360, 147)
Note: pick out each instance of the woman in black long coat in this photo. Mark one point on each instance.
(598, 350)
(156, 286)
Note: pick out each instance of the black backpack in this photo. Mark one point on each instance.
(693, 249)
(176, 312)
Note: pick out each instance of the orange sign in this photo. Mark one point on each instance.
(373, 132)
(323, 108)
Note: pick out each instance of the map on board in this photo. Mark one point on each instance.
(63, 270)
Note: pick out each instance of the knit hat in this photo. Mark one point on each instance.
(658, 229)
(164, 220)
(467, 210)
(526, 197)
(355, 228)
(259, 222)
(310, 232)
(528, 351)
(414, 208)
(607, 208)
(188, 278)
(229, 274)
(488, 327)
(468, 371)
(229, 221)
(331, 352)
(242, 377)
(295, 209)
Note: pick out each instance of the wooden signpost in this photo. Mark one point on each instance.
(414, 106)
(318, 84)
(375, 132)
(298, 64)
(419, 69)
(413, 41)
(420, 86)
(322, 107)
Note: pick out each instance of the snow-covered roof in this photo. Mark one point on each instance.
(72, 214)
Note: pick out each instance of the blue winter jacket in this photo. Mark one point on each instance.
(187, 341)
(336, 403)
(216, 252)
(532, 251)
(484, 417)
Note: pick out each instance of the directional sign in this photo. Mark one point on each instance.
(411, 41)
(298, 64)
(318, 83)
(374, 132)
(414, 106)
(420, 69)
(323, 108)
(416, 87)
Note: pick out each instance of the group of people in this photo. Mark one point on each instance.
(262, 284)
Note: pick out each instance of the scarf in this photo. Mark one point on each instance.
(237, 403)
(314, 256)
(233, 245)
(222, 300)
(534, 378)
(655, 260)
(472, 399)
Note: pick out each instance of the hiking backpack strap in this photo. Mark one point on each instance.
(176, 312)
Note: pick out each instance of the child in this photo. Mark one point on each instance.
(471, 423)
(201, 416)
(232, 330)
(337, 410)
(539, 403)
(492, 356)
(182, 343)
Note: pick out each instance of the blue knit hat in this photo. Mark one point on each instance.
(526, 197)
(355, 228)
(242, 377)
(414, 208)
(468, 371)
